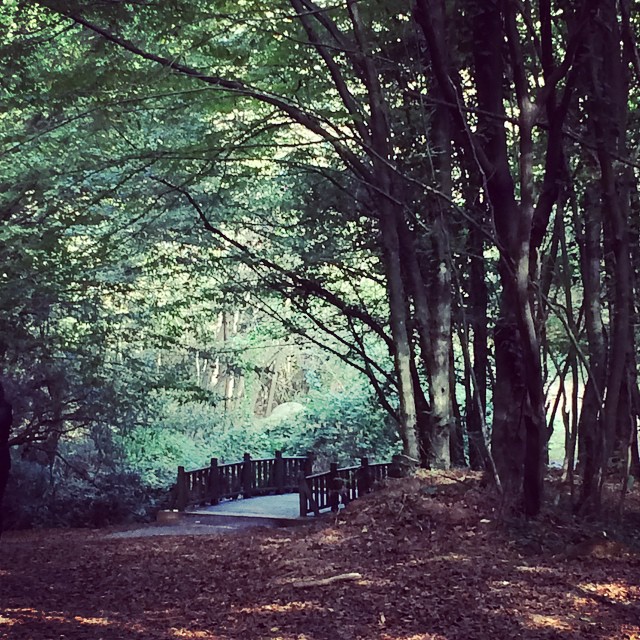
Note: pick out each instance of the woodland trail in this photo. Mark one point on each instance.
(227, 517)
(433, 563)
(152, 530)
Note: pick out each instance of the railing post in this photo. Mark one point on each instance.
(363, 477)
(247, 476)
(333, 488)
(214, 482)
(303, 492)
(278, 472)
(182, 491)
(308, 463)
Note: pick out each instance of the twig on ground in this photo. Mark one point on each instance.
(321, 582)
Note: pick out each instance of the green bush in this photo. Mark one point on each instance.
(38, 496)
(339, 425)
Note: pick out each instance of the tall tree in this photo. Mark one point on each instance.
(519, 217)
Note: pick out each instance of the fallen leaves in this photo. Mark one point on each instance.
(433, 565)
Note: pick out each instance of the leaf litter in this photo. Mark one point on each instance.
(426, 558)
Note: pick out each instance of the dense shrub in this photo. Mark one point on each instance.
(337, 425)
(38, 496)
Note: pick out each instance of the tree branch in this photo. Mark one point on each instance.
(308, 120)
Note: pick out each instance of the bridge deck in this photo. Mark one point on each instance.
(278, 510)
(286, 505)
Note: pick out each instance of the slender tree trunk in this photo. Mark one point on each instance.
(399, 331)
(415, 286)
(6, 420)
(456, 434)
(273, 384)
(478, 302)
(590, 424)
(439, 374)
(478, 296)
(635, 449)
(607, 119)
(569, 462)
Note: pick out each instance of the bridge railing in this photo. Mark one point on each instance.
(326, 490)
(280, 474)
(250, 477)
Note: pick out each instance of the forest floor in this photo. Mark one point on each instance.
(432, 558)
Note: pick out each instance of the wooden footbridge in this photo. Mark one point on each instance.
(211, 489)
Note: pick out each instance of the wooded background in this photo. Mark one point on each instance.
(355, 227)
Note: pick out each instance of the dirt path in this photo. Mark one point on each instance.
(151, 530)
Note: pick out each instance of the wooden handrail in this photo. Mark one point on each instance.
(249, 477)
(328, 489)
(261, 476)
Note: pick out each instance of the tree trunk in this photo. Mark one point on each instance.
(440, 388)
(439, 375)
(590, 424)
(456, 434)
(509, 399)
(6, 420)
(478, 299)
(608, 114)
(399, 331)
(519, 394)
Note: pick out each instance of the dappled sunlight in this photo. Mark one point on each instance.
(331, 536)
(544, 621)
(101, 622)
(6, 622)
(614, 592)
(21, 615)
(21, 619)
(539, 570)
(189, 633)
(294, 606)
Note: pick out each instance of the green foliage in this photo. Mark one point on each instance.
(176, 256)
(344, 425)
(188, 434)
(38, 496)
(338, 421)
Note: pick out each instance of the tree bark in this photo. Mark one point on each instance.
(608, 115)
(6, 420)
(478, 300)
(398, 321)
